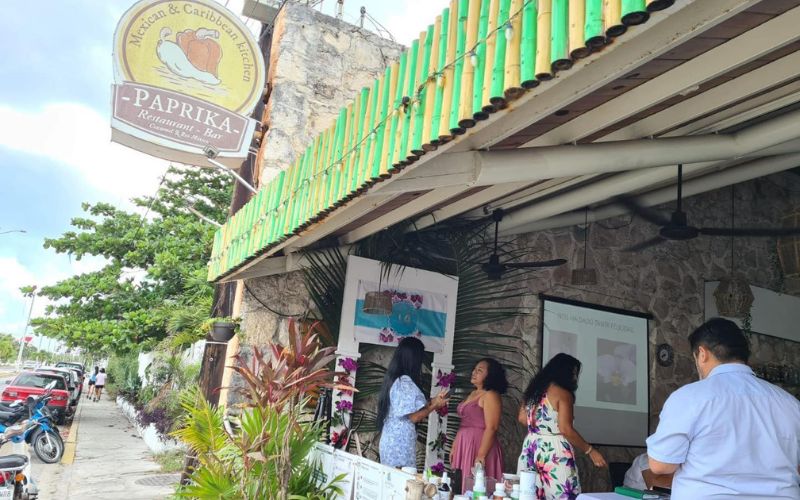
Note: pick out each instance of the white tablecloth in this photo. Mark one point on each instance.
(602, 496)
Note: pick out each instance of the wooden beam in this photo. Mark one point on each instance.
(768, 76)
(424, 202)
(746, 47)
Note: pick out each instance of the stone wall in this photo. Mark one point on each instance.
(317, 65)
(666, 281)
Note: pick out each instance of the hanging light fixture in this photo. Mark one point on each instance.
(733, 295)
(584, 275)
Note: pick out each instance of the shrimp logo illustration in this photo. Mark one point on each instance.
(194, 54)
(188, 73)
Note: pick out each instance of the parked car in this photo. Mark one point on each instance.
(73, 381)
(30, 383)
(29, 365)
(70, 364)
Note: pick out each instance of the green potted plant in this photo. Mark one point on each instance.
(222, 329)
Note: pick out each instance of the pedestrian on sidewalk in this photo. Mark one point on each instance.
(92, 381)
(99, 383)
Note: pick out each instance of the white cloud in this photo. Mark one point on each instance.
(77, 137)
(411, 17)
(14, 274)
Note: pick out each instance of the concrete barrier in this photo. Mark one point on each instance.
(154, 440)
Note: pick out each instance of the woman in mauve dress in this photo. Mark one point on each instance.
(476, 440)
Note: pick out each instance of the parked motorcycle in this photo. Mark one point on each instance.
(14, 484)
(40, 432)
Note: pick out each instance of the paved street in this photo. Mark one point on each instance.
(111, 461)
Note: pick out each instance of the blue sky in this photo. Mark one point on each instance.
(55, 149)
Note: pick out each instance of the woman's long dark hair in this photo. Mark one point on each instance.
(562, 370)
(495, 376)
(407, 360)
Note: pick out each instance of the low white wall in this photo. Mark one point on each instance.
(145, 358)
(149, 434)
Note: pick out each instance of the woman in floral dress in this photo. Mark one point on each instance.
(401, 405)
(549, 448)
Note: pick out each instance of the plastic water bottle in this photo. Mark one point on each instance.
(479, 490)
(444, 487)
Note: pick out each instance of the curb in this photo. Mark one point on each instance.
(71, 443)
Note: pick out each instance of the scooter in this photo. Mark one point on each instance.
(14, 483)
(39, 433)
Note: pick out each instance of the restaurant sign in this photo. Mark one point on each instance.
(187, 75)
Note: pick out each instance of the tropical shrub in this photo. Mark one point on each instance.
(263, 452)
(123, 376)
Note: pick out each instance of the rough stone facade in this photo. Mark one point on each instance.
(317, 65)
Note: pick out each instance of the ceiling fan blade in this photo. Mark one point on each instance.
(543, 263)
(750, 231)
(657, 240)
(646, 213)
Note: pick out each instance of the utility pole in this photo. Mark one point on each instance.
(30, 292)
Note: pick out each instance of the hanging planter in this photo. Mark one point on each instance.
(733, 297)
(222, 329)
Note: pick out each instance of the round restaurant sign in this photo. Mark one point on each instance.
(194, 47)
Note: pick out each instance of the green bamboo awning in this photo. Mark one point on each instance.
(478, 56)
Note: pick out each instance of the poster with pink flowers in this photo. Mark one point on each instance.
(414, 313)
(384, 304)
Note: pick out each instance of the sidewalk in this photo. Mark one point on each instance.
(111, 461)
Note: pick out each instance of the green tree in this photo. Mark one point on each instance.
(156, 264)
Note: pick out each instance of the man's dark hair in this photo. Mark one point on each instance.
(723, 338)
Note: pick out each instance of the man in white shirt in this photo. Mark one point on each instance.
(640, 477)
(730, 434)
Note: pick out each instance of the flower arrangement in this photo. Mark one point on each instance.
(344, 402)
(344, 405)
(439, 443)
(445, 380)
(438, 468)
(348, 364)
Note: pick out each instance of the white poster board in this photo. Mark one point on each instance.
(345, 463)
(369, 480)
(613, 400)
(423, 305)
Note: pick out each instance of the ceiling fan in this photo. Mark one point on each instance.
(677, 228)
(495, 269)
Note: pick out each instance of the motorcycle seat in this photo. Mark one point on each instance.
(13, 462)
(10, 417)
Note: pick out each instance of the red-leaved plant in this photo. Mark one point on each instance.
(288, 379)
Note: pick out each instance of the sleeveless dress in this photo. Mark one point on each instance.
(547, 452)
(468, 442)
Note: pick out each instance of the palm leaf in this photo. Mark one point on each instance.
(454, 250)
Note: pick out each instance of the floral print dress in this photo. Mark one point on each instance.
(398, 445)
(548, 453)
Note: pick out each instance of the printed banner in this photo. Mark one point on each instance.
(415, 313)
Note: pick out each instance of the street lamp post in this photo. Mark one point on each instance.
(32, 294)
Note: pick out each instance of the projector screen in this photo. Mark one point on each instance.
(613, 397)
